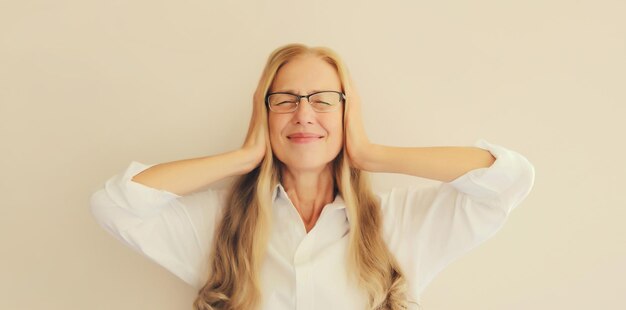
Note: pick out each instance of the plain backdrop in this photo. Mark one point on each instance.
(88, 86)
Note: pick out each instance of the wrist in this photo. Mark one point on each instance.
(369, 157)
(245, 159)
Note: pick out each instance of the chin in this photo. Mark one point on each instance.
(297, 164)
(307, 166)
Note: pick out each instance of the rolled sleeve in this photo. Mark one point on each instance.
(429, 228)
(172, 230)
(141, 200)
(510, 178)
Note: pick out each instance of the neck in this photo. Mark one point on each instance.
(309, 191)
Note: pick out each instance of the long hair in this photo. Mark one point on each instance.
(242, 236)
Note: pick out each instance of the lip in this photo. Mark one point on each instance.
(304, 137)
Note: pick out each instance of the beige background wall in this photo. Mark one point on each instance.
(88, 86)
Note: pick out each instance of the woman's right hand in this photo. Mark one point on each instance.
(255, 143)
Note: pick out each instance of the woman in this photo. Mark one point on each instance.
(300, 228)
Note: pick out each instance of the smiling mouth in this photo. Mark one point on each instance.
(303, 140)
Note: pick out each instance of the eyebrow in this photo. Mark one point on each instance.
(294, 92)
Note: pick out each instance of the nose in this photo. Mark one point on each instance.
(305, 112)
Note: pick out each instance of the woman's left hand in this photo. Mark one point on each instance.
(357, 143)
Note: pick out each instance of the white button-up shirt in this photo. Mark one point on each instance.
(426, 228)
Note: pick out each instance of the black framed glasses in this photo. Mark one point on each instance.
(321, 101)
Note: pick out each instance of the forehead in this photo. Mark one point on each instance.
(305, 74)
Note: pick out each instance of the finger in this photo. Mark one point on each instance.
(351, 85)
(352, 96)
(259, 95)
(259, 92)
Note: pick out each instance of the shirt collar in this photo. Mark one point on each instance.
(280, 193)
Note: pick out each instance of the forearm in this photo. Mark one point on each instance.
(188, 175)
(437, 163)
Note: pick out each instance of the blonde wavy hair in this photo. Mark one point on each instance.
(242, 236)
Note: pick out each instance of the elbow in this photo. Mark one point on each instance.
(97, 206)
(105, 212)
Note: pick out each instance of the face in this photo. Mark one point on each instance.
(304, 75)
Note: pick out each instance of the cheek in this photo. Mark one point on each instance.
(274, 126)
(336, 126)
(335, 129)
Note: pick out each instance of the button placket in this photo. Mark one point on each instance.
(304, 275)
